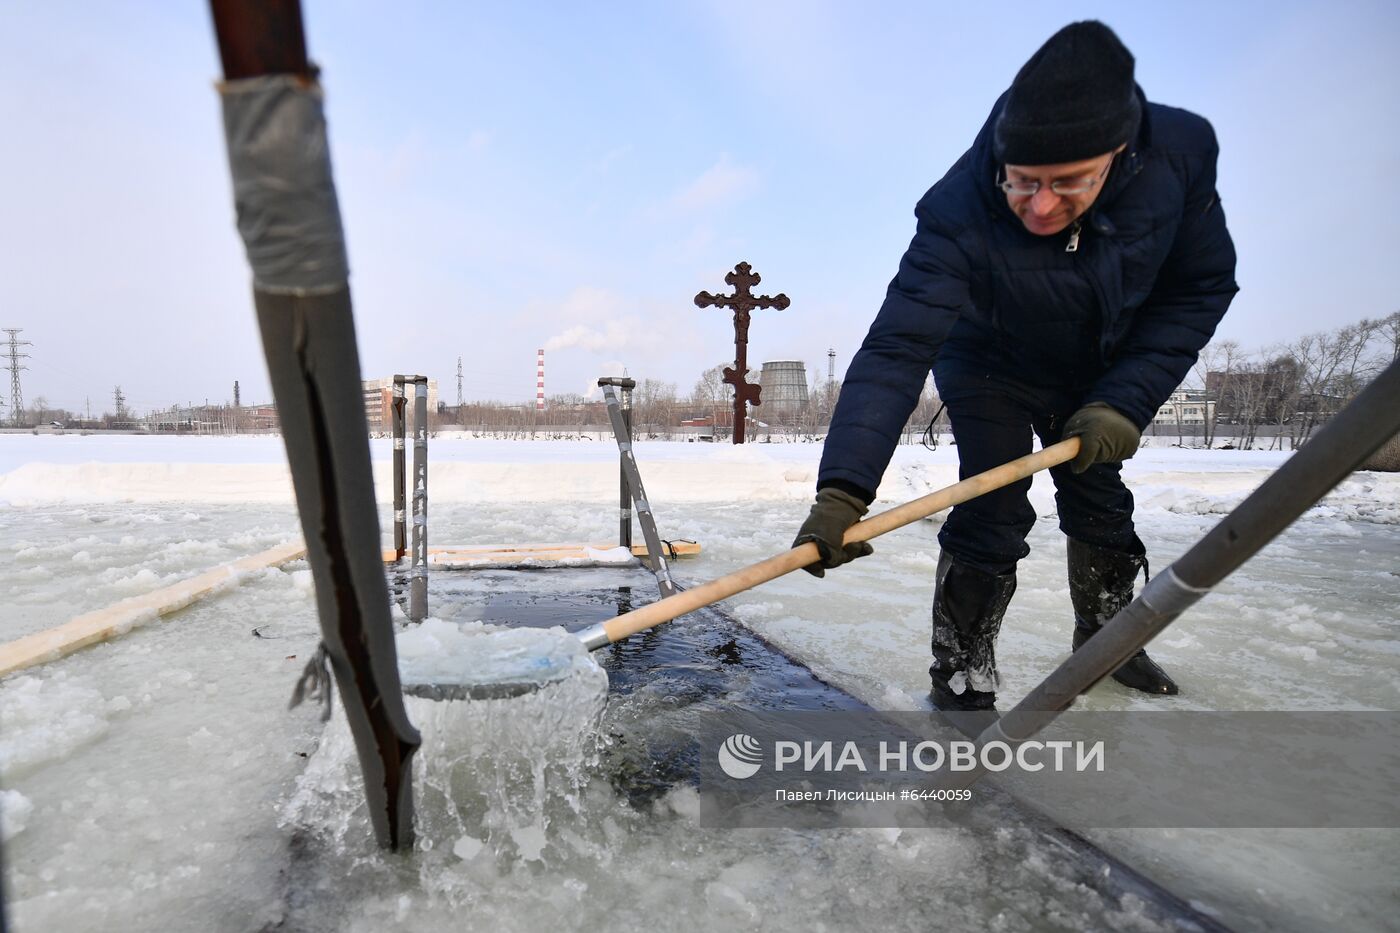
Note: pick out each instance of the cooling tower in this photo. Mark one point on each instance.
(784, 396)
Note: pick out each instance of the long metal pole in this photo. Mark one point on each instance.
(1334, 452)
(418, 575)
(664, 610)
(624, 497)
(632, 476)
(397, 407)
(289, 220)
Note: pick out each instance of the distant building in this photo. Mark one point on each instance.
(379, 397)
(1185, 408)
(201, 419)
(1259, 396)
(259, 418)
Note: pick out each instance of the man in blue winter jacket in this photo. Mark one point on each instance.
(1063, 277)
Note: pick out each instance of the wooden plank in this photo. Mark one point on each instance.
(677, 549)
(119, 618)
(538, 553)
(505, 554)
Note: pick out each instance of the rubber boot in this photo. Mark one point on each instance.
(968, 605)
(1100, 586)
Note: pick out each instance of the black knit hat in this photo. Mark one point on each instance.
(1074, 99)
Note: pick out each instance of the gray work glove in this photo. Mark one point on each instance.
(826, 525)
(1105, 436)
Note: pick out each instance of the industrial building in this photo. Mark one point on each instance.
(379, 396)
(784, 397)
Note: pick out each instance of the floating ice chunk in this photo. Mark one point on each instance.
(132, 618)
(143, 579)
(889, 835)
(15, 809)
(725, 898)
(530, 840)
(441, 653)
(201, 738)
(467, 848)
(612, 555)
(192, 548)
(1307, 653)
(1308, 629)
(45, 719)
(684, 801)
(895, 698)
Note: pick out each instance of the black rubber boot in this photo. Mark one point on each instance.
(1100, 585)
(968, 605)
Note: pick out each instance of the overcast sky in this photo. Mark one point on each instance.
(569, 175)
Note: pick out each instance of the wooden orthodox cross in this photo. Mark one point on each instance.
(742, 302)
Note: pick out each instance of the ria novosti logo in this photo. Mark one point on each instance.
(740, 756)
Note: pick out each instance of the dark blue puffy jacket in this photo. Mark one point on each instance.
(1121, 320)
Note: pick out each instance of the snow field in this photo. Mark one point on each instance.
(147, 781)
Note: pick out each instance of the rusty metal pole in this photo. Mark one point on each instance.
(289, 219)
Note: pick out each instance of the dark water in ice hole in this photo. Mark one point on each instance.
(661, 679)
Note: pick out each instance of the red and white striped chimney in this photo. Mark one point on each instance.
(539, 380)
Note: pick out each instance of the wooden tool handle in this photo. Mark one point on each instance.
(747, 578)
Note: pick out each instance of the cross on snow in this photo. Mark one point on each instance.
(742, 302)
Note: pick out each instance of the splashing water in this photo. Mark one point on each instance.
(491, 775)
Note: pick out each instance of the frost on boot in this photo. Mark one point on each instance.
(968, 605)
(1100, 586)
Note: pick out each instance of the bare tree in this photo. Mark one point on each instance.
(1388, 331)
(1333, 367)
(1221, 357)
(710, 387)
(654, 408)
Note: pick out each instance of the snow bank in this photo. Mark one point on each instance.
(97, 469)
(38, 470)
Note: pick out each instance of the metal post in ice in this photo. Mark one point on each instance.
(632, 476)
(398, 405)
(289, 219)
(624, 501)
(418, 574)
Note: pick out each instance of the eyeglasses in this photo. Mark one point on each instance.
(1025, 189)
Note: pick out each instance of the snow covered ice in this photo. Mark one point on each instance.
(157, 781)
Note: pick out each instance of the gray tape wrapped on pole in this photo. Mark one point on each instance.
(280, 161)
(1338, 449)
(290, 224)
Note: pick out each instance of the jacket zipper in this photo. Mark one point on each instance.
(1073, 245)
